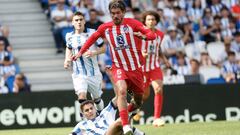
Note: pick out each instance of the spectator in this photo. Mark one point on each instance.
(212, 32)
(4, 54)
(205, 60)
(162, 24)
(101, 6)
(94, 22)
(182, 67)
(236, 13)
(9, 72)
(143, 5)
(194, 67)
(137, 13)
(21, 84)
(172, 42)
(82, 6)
(216, 7)
(7, 45)
(4, 30)
(230, 68)
(226, 32)
(195, 14)
(61, 18)
(235, 45)
(189, 34)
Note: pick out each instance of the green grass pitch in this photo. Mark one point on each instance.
(211, 128)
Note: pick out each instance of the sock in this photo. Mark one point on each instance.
(80, 102)
(126, 129)
(99, 105)
(124, 117)
(131, 107)
(158, 101)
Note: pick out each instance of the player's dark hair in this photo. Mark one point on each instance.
(117, 4)
(153, 13)
(85, 103)
(78, 14)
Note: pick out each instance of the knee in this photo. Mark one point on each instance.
(122, 92)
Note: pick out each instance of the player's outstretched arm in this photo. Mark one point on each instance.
(92, 39)
(98, 51)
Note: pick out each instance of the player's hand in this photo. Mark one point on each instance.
(67, 64)
(75, 57)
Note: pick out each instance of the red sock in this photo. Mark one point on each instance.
(124, 117)
(158, 101)
(130, 107)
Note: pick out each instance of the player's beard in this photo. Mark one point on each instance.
(117, 21)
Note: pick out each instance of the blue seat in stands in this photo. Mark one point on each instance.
(219, 80)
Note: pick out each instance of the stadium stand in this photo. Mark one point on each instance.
(33, 45)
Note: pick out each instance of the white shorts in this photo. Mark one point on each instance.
(91, 84)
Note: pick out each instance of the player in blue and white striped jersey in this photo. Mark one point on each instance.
(104, 123)
(86, 73)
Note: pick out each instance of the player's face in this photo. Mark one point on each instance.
(89, 111)
(150, 21)
(78, 22)
(117, 15)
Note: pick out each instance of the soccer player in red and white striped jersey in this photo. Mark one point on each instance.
(123, 35)
(153, 74)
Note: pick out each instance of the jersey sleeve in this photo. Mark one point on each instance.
(77, 129)
(68, 40)
(109, 111)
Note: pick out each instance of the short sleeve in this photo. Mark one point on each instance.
(68, 40)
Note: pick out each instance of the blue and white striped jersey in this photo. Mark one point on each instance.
(99, 125)
(83, 66)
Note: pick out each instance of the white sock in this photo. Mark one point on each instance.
(138, 132)
(100, 105)
(126, 128)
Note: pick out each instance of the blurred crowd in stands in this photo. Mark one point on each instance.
(11, 80)
(202, 37)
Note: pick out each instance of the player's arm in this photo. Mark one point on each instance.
(98, 51)
(162, 56)
(91, 40)
(77, 130)
(68, 56)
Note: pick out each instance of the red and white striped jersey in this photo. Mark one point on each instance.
(152, 47)
(125, 47)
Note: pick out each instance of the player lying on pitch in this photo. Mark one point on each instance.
(104, 123)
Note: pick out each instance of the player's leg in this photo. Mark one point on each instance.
(115, 128)
(95, 88)
(121, 86)
(80, 87)
(158, 102)
(146, 93)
